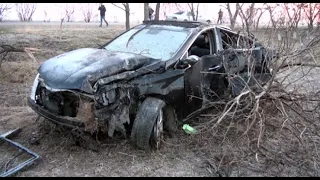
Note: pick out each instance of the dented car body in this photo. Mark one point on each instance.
(141, 82)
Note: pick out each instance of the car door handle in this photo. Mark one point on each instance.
(215, 67)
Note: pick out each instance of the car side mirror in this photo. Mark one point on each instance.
(187, 62)
(190, 60)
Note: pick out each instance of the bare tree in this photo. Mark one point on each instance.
(156, 16)
(25, 11)
(69, 11)
(126, 9)
(87, 12)
(194, 10)
(46, 19)
(45, 12)
(311, 11)
(166, 7)
(247, 16)
(259, 12)
(4, 8)
(62, 14)
(177, 6)
(271, 10)
(169, 7)
(293, 13)
(233, 16)
(318, 18)
(146, 11)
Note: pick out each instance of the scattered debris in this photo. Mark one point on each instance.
(11, 171)
(188, 129)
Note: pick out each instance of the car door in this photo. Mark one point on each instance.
(241, 57)
(200, 78)
(233, 53)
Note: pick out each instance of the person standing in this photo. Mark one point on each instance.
(102, 10)
(220, 14)
(150, 13)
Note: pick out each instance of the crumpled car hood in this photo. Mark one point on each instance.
(79, 68)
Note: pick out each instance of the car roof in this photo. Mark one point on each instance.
(179, 12)
(187, 24)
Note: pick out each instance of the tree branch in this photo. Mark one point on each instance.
(119, 6)
(8, 48)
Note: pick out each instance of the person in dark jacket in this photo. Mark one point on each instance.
(220, 14)
(102, 10)
(150, 13)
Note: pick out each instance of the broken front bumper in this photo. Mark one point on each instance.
(67, 122)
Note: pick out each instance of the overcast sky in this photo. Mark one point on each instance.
(113, 13)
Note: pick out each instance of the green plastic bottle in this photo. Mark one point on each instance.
(188, 129)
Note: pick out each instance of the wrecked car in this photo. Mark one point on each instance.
(144, 80)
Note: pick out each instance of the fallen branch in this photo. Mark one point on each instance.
(8, 48)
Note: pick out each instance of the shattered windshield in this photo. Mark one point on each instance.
(156, 41)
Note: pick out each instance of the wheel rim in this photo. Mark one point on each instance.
(158, 130)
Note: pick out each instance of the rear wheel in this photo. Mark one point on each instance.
(147, 129)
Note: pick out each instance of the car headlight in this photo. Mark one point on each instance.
(34, 88)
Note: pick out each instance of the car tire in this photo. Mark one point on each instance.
(146, 130)
(208, 21)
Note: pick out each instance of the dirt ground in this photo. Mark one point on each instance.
(61, 155)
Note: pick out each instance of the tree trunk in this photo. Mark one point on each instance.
(156, 17)
(251, 15)
(274, 23)
(310, 25)
(192, 11)
(127, 8)
(62, 19)
(146, 11)
(258, 19)
(233, 17)
(197, 12)
(232, 24)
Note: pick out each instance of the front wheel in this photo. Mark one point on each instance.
(147, 129)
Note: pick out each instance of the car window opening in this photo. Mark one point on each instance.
(201, 45)
(236, 41)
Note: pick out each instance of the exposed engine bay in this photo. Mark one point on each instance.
(109, 111)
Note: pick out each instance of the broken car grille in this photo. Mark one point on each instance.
(62, 103)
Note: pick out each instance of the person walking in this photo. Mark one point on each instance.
(150, 13)
(220, 14)
(102, 10)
